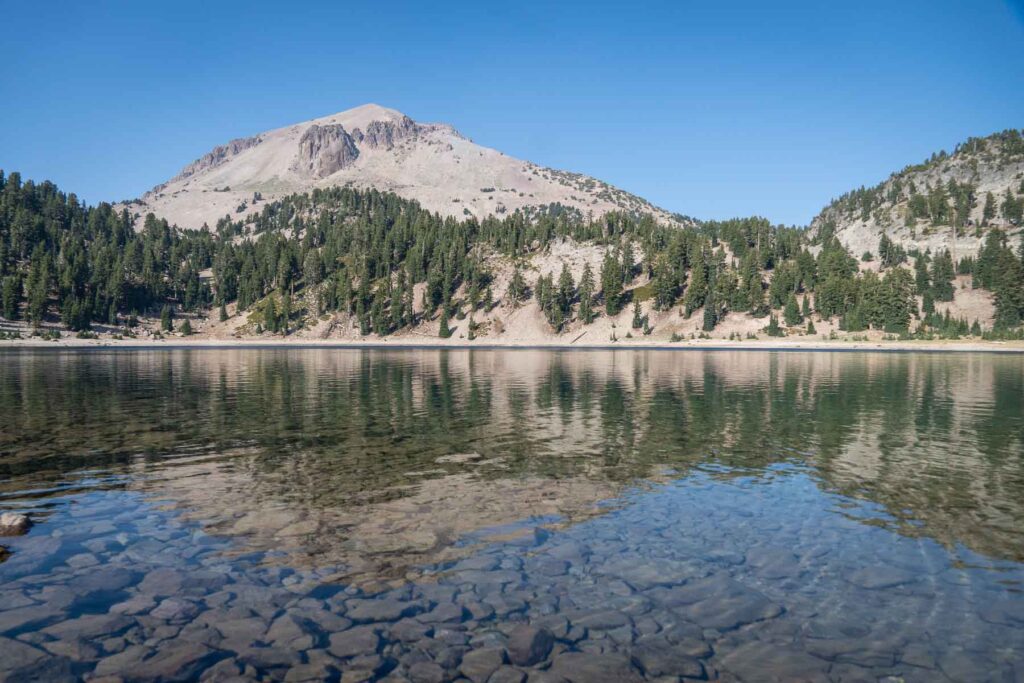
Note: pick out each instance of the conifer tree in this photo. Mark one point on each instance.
(270, 318)
(791, 313)
(517, 286)
(444, 332)
(664, 285)
(566, 291)
(711, 312)
(611, 284)
(10, 296)
(286, 314)
(988, 212)
(586, 295)
(942, 276)
(922, 278)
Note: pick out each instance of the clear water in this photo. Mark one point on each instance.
(362, 514)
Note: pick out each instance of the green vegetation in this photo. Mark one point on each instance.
(89, 265)
(363, 252)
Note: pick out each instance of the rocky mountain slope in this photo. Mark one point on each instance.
(950, 200)
(373, 147)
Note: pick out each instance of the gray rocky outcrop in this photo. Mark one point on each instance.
(324, 150)
(217, 156)
(384, 134)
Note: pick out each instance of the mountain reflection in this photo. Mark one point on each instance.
(381, 461)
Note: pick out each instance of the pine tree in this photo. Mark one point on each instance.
(566, 291)
(1012, 207)
(286, 314)
(586, 295)
(444, 332)
(167, 319)
(664, 285)
(942, 276)
(922, 279)
(517, 286)
(791, 313)
(38, 285)
(637, 317)
(628, 263)
(9, 297)
(697, 290)
(927, 302)
(773, 329)
(989, 210)
(710, 314)
(186, 328)
(312, 268)
(223, 311)
(408, 312)
(270, 319)
(611, 284)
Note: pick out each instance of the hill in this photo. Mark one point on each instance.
(948, 201)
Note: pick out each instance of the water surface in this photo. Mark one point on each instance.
(314, 514)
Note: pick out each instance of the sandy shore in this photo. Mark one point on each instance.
(783, 344)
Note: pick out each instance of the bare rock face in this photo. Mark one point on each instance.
(324, 150)
(384, 134)
(217, 156)
(12, 524)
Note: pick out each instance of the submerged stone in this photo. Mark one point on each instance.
(763, 661)
(364, 611)
(581, 667)
(14, 524)
(529, 645)
(355, 641)
(478, 665)
(875, 578)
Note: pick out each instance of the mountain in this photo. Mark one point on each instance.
(373, 147)
(948, 201)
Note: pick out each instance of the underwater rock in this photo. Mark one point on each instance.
(14, 524)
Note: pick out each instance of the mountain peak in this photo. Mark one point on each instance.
(361, 116)
(371, 146)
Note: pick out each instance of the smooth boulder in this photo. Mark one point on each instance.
(14, 524)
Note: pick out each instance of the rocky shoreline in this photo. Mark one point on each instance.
(415, 341)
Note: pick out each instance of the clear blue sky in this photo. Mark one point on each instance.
(712, 109)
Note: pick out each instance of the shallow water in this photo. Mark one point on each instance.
(590, 515)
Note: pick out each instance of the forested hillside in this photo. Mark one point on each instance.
(87, 264)
(951, 200)
(375, 264)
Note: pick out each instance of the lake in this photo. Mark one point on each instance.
(493, 515)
